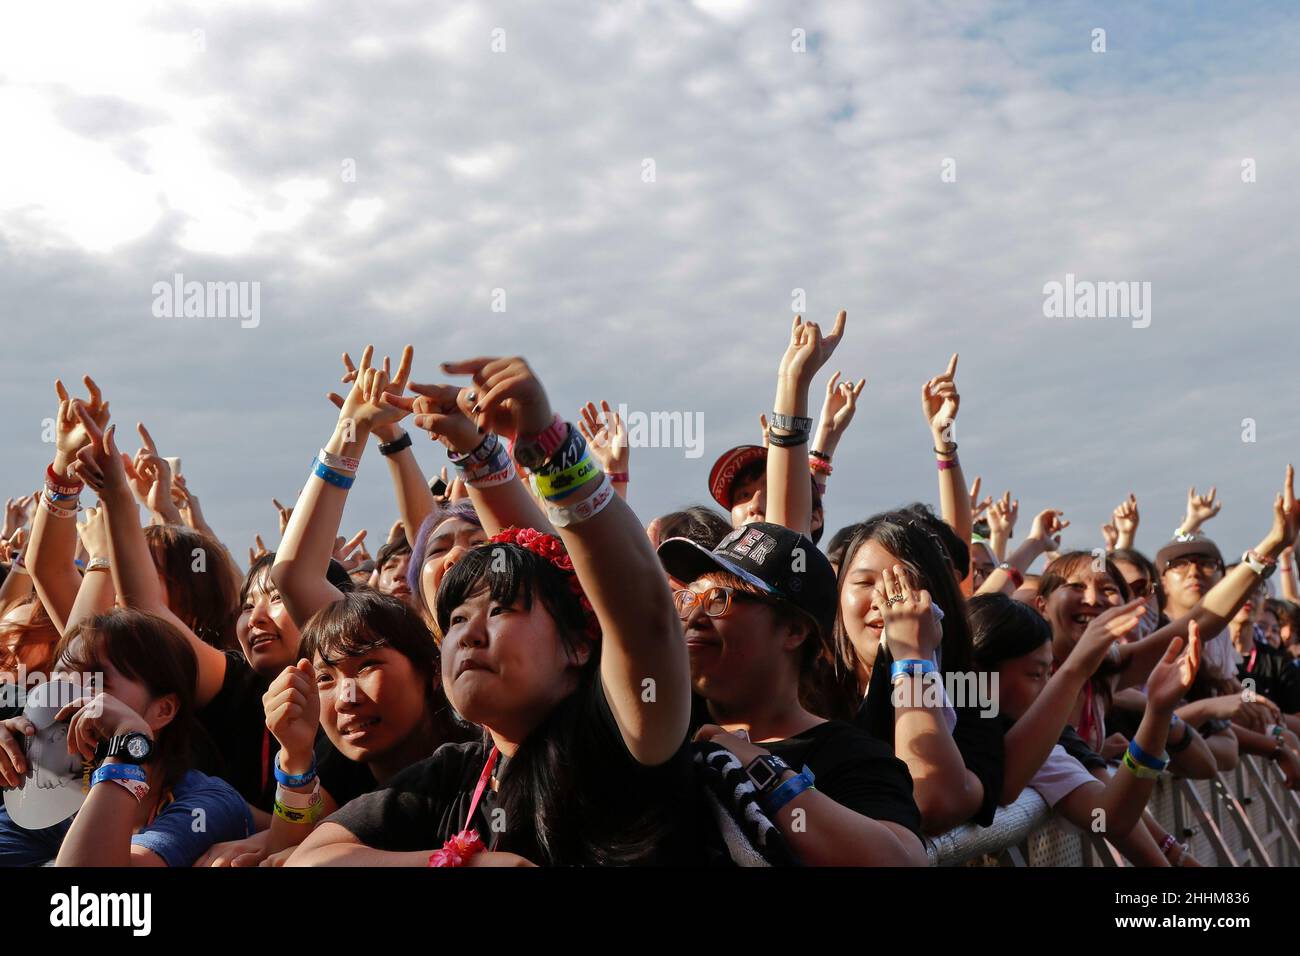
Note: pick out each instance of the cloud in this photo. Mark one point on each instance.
(381, 171)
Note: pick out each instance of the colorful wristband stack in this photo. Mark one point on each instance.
(795, 430)
(1141, 764)
(60, 493)
(487, 465)
(331, 475)
(130, 777)
(299, 808)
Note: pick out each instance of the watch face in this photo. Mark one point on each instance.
(761, 774)
(138, 747)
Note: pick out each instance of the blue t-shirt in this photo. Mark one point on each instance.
(203, 810)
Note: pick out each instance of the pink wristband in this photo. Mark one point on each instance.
(946, 463)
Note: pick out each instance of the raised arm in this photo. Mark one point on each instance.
(96, 595)
(939, 404)
(1044, 536)
(838, 409)
(789, 488)
(641, 636)
(1125, 519)
(1200, 509)
(51, 554)
(302, 560)
(607, 439)
(1002, 524)
(135, 578)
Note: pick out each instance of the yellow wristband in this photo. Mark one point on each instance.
(563, 482)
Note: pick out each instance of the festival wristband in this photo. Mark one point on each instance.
(338, 462)
(619, 477)
(589, 507)
(786, 441)
(789, 423)
(62, 483)
(132, 778)
(1145, 759)
(299, 815)
(493, 479)
(55, 496)
(787, 792)
(944, 464)
(819, 466)
(330, 476)
(296, 799)
(910, 668)
(55, 510)
(97, 564)
(571, 451)
(387, 448)
(294, 779)
(1139, 771)
(820, 454)
(483, 452)
(561, 484)
(1014, 574)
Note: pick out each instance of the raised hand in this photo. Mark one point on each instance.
(1110, 535)
(257, 552)
(94, 533)
(1003, 514)
(939, 404)
(978, 507)
(507, 396)
(762, 423)
(285, 514)
(365, 405)
(92, 720)
(606, 437)
(1286, 517)
(1200, 509)
(154, 473)
(70, 434)
(441, 410)
(346, 552)
(841, 402)
(809, 350)
(1172, 678)
(99, 463)
(292, 706)
(1125, 519)
(17, 511)
(1103, 631)
(910, 626)
(1047, 528)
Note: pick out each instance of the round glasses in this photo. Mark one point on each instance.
(716, 601)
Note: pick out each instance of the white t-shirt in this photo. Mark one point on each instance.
(1219, 659)
(1059, 776)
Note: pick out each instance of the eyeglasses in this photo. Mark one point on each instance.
(716, 601)
(1206, 565)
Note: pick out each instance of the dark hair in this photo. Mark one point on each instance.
(546, 785)
(149, 649)
(954, 548)
(704, 525)
(840, 541)
(204, 598)
(1003, 629)
(363, 620)
(912, 537)
(259, 572)
(393, 549)
(1139, 560)
(1057, 574)
(462, 510)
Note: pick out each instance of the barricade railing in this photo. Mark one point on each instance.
(1246, 817)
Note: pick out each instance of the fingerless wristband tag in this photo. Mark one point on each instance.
(563, 483)
(330, 476)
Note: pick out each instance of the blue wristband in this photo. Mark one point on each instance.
(330, 476)
(1143, 758)
(118, 771)
(787, 792)
(910, 669)
(294, 780)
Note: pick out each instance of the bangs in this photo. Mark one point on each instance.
(500, 570)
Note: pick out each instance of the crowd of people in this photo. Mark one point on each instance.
(526, 673)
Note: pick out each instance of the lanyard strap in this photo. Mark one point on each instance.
(1250, 667)
(482, 784)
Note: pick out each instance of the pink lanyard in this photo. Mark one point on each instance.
(482, 784)
(1250, 667)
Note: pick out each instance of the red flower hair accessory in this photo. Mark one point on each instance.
(551, 548)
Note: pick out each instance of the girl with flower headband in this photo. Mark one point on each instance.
(568, 652)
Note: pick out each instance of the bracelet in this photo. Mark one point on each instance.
(1184, 742)
(820, 454)
(295, 800)
(397, 444)
(308, 815)
(1013, 573)
(294, 779)
(786, 441)
(338, 462)
(17, 563)
(910, 668)
(55, 496)
(1264, 567)
(1276, 730)
(1145, 759)
(820, 486)
(492, 479)
(589, 507)
(330, 476)
(950, 451)
(131, 777)
(61, 483)
(481, 453)
(458, 850)
(1167, 843)
(476, 472)
(561, 484)
(787, 792)
(789, 423)
(618, 477)
(97, 564)
(1139, 771)
(946, 463)
(55, 510)
(819, 466)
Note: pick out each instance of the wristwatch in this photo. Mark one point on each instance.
(533, 451)
(1261, 566)
(765, 772)
(134, 747)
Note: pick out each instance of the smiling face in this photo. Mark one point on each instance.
(1072, 606)
(504, 666)
(1022, 679)
(450, 541)
(267, 635)
(371, 702)
(862, 616)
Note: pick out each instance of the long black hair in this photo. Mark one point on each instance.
(1003, 629)
(550, 782)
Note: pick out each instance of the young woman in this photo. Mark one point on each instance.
(447, 535)
(955, 755)
(1016, 642)
(144, 797)
(568, 655)
(757, 611)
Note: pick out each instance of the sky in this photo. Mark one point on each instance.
(644, 186)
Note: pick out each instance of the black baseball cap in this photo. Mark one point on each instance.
(782, 563)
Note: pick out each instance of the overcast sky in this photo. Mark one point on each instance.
(219, 141)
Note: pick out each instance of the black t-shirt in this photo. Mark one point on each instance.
(1075, 746)
(238, 747)
(1275, 676)
(980, 740)
(343, 779)
(629, 812)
